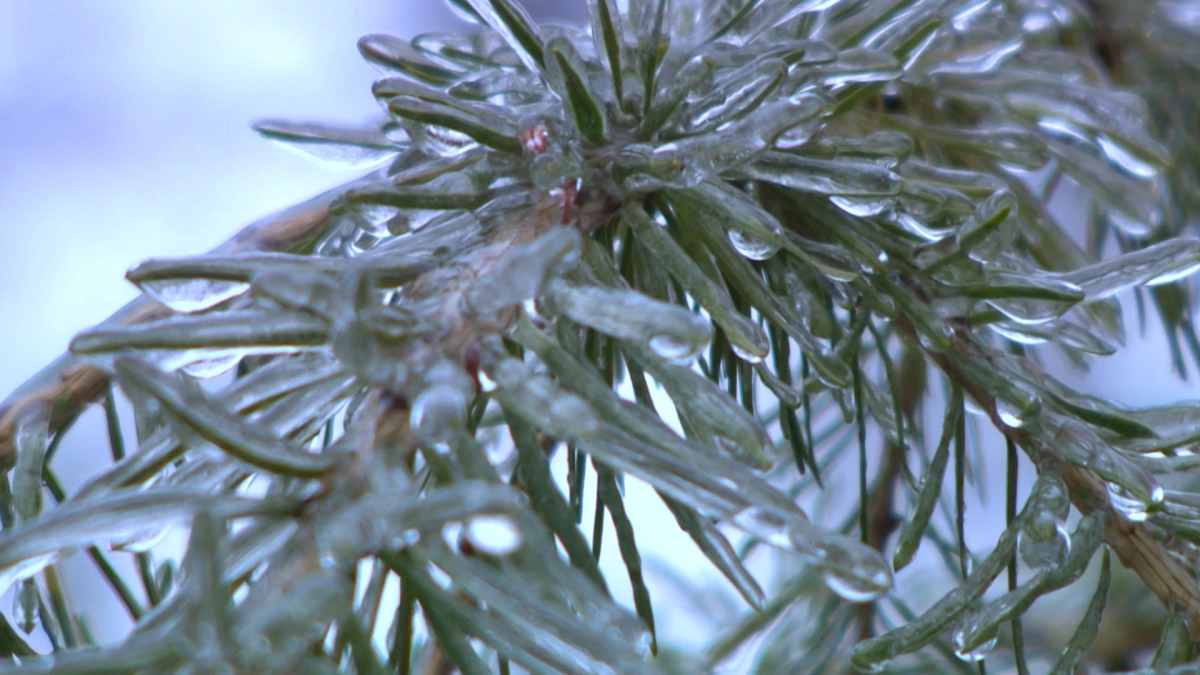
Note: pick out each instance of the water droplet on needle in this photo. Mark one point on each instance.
(493, 535)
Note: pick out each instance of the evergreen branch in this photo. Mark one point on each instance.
(738, 180)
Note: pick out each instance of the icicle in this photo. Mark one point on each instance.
(743, 334)
(76, 524)
(859, 65)
(822, 176)
(187, 296)
(1028, 300)
(306, 291)
(387, 522)
(755, 234)
(709, 411)
(670, 331)
(741, 91)
(695, 77)
(196, 414)
(1044, 541)
(396, 55)
(1161, 263)
(346, 148)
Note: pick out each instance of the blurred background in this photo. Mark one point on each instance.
(124, 134)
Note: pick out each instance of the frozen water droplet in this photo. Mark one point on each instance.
(973, 407)
(140, 542)
(1134, 227)
(444, 142)
(928, 341)
(1043, 542)
(922, 229)
(863, 207)
(753, 247)
(1052, 495)
(977, 653)
(1010, 414)
(438, 412)
(851, 588)
(1016, 335)
(493, 535)
(799, 117)
(1037, 22)
(749, 357)
(192, 295)
(768, 526)
(451, 532)
(1128, 504)
(486, 383)
(796, 137)
(574, 416)
(404, 539)
(1033, 312)
(25, 568)
(26, 606)
(642, 642)
(1174, 275)
(852, 570)
(206, 368)
(673, 348)
(1123, 159)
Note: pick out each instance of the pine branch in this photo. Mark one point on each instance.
(720, 199)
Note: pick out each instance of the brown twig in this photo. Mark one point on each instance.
(881, 522)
